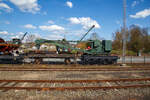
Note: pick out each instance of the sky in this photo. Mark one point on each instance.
(70, 19)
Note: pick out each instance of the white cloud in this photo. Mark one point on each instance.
(34, 37)
(86, 22)
(5, 7)
(16, 36)
(37, 35)
(74, 20)
(138, 25)
(55, 37)
(134, 3)
(21, 33)
(77, 33)
(56, 31)
(3, 32)
(27, 5)
(11, 33)
(141, 14)
(52, 28)
(69, 4)
(51, 22)
(44, 13)
(118, 22)
(29, 26)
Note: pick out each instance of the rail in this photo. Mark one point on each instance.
(73, 69)
(7, 85)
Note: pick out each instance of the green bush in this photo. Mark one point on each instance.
(131, 53)
(119, 52)
(116, 52)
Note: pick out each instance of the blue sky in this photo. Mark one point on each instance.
(56, 19)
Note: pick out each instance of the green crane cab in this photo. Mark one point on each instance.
(103, 47)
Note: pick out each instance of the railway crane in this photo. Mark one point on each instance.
(7, 47)
(87, 51)
(9, 50)
(95, 51)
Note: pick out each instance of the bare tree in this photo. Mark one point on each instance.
(137, 39)
(30, 38)
(117, 40)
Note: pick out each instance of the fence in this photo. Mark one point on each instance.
(135, 59)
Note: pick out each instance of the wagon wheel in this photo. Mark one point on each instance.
(75, 59)
(67, 61)
(105, 61)
(38, 61)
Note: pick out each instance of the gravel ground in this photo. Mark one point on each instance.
(59, 75)
(123, 94)
(115, 94)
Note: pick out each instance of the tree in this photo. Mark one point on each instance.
(146, 40)
(30, 38)
(95, 36)
(137, 39)
(117, 41)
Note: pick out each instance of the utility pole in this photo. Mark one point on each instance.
(124, 33)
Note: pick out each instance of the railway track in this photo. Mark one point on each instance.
(74, 69)
(62, 85)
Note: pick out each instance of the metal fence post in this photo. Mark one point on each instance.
(131, 59)
(144, 60)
